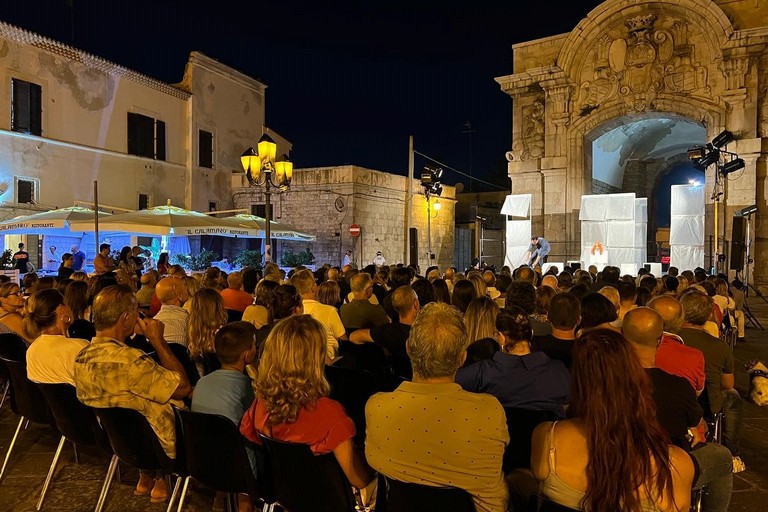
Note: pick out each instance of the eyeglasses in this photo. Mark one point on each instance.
(18, 293)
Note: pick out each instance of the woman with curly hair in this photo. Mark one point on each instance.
(292, 401)
(612, 455)
(207, 316)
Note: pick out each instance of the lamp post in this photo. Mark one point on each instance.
(430, 180)
(261, 168)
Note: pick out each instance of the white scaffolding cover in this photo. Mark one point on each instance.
(686, 227)
(618, 224)
(517, 206)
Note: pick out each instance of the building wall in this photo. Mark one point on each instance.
(326, 201)
(707, 64)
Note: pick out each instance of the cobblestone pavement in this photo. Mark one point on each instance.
(76, 487)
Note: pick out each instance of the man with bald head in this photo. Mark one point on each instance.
(673, 355)
(678, 411)
(550, 280)
(172, 295)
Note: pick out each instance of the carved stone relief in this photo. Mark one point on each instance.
(762, 98)
(529, 145)
(645, 57)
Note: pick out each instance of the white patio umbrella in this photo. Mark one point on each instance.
(167, 220)
(278, 231)
(53, 222)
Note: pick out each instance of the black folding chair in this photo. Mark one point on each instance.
(27, 402)
(76, 422)
(305, 482)
(520, 424)
(215, 455)
(352, 389)
(133, 442)
(410, 497)
(12, 346)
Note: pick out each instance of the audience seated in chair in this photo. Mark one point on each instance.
(110, 374)
(432, 432)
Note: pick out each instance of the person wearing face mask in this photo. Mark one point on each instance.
(51, 357)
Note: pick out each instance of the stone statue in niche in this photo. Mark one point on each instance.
(641, 63)
(530, 144)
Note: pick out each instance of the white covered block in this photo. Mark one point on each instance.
(515, 255)
(686, 230)
(592, 232)
(641, 209)
(621, 207)
(621, 233)
(593, 208)
(686, 257)
(687, 200)
(629, 268)
(655, 268)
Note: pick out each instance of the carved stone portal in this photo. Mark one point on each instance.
(638, 62)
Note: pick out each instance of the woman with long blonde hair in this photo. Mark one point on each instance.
(292, 401)
(207, 315)
(480, 321)
(192, 285)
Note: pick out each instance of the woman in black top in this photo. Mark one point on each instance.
(65, 269)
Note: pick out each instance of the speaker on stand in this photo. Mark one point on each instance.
(737, 244)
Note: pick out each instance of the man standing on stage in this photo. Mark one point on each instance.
(538, 251)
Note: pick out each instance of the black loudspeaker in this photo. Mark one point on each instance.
(737, 244)
(413, 246)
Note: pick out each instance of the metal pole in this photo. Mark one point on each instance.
(429, 232)
(268, 219)
(96, 215)
(746, 272)
(408, 199)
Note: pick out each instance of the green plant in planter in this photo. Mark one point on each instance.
(294, 259)
(199, 261)
(248, 258)
(6, 259)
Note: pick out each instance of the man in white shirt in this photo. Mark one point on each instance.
(305, 284)
(172, 295)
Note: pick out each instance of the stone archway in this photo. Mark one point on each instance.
(629, 59)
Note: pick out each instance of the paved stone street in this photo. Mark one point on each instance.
(76, 486)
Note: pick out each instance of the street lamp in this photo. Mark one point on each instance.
(259, 167)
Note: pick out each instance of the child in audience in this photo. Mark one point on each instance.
(228, 391)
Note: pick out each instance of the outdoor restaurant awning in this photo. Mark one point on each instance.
(277, 230)
(52, 222)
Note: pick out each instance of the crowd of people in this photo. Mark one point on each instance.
(622, 372)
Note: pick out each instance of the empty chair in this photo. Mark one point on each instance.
(409, 497)
(133, 442)
(27, 402)
(215, 455)
(76, 422)
(304, 482)
(520, 424)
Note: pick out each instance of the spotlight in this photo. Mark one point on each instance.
(694, 183)
(697, 153)
(749, 210)
(732, 166)
(723, 139)
(710, 158)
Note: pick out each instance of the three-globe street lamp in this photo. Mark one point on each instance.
(262, 169)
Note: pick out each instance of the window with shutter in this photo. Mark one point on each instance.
(26, 107)
(260, 210)
(143, 201)
(146, 136)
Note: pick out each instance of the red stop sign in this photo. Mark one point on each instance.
(354, 230)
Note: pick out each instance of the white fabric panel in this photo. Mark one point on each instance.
(686, 257)
(621, 207)
(641, 209)
(517, 205)
(515, 255)
(686, 230)
(621, 233)
(619, 255)
(592, 232)
(687, 200)
(593, 208)
(518, 233)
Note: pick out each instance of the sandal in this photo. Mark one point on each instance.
(143, 490)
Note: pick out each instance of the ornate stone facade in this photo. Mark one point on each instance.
(697, 61)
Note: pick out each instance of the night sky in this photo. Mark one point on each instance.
(347, 81)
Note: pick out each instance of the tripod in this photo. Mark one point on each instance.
(747, 312)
